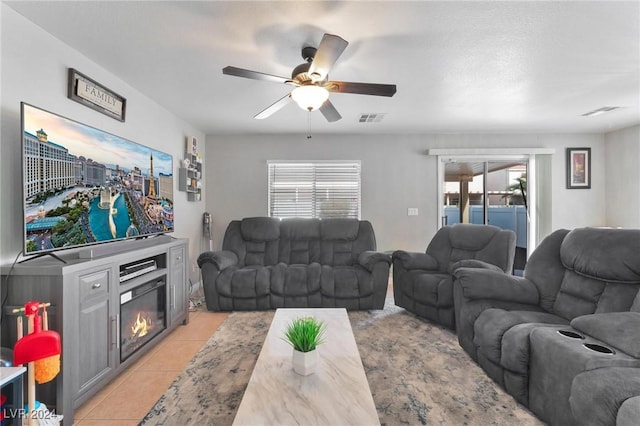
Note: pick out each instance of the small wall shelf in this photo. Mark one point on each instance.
(189, 178)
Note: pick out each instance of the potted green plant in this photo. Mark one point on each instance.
(304, 334)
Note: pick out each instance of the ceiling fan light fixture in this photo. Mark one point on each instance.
(310, 97)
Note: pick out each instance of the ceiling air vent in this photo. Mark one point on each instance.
(371, 118)
(599, 111)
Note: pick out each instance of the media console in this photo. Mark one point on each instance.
(88, 296)
(137, 268)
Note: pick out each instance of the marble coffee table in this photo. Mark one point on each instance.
(336, 394)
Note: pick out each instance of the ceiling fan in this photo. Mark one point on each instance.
(311, 80)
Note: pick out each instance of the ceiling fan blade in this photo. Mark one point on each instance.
(274, 107)
(330, 112)
(241, 72)
(361, 88)
(329, 50)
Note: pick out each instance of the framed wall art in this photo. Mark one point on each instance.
(90, 93)
(578, 168)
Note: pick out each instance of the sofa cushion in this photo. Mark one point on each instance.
(345, 282)
(492, 324)
(337, 253)
(254, 240)
(617, 298)
(339, 229)
(545, 269)
(260, 228)
(299, 280)
(244, 283)
(603, 253)
(338, 242)
(629, 412)
(618, 329)
(578, 295)
(473, 263)
(429, 289)
(470, 238)
(299, 241)
(414, 260)
(302, 252)
(295, 286)
(516, 345)
(598, 396)
(300, 229)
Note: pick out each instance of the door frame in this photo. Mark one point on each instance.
(525, 155)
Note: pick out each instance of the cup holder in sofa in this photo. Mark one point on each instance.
(571, 334)
(599, 348)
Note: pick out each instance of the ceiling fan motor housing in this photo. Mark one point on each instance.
(308, 53)
(300, 73)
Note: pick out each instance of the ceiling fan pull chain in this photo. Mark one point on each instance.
(309, 124)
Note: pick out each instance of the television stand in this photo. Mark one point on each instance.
(111, 248)
(55, 256)
(87, 297)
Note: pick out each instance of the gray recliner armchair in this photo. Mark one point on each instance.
(423, 282)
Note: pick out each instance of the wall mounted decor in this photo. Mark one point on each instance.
(90, 93)
(578, 168)
(190, 171)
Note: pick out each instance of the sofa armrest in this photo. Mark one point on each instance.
(629, 412)
(413, 260)
(618, 329)
(489, 284)
(369, 259)
(220, 259)
(473, 263)
(606, 396)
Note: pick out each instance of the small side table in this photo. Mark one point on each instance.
(13, 375)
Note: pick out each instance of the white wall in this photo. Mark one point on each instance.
(622, 153)
(396, 174)
(34, 70)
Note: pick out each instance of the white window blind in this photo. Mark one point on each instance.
(314, 189)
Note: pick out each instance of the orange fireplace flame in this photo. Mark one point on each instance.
(141, 326)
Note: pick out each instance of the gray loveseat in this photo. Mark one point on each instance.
(567, 331)
(268, 263)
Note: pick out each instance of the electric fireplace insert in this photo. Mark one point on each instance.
(143, 315)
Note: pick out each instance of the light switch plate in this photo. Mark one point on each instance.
(412, 211)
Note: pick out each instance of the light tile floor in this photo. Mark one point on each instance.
(127, 399)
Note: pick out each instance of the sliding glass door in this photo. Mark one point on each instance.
(488, 191)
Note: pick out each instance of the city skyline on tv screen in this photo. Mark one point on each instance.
(84, 186)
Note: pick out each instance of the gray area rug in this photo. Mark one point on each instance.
(417, 373)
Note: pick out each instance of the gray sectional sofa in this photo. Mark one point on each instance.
(564, 340)
(268, 263)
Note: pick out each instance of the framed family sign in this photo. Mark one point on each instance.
(578, 168)
(90, 93)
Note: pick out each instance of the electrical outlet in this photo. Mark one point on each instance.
(412, 211)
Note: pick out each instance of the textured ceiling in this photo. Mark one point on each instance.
(460, 67)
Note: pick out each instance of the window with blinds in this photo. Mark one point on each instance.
(314, 189)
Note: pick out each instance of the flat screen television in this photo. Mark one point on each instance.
(84, 186)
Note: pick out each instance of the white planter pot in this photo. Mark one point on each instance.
(305, 363)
